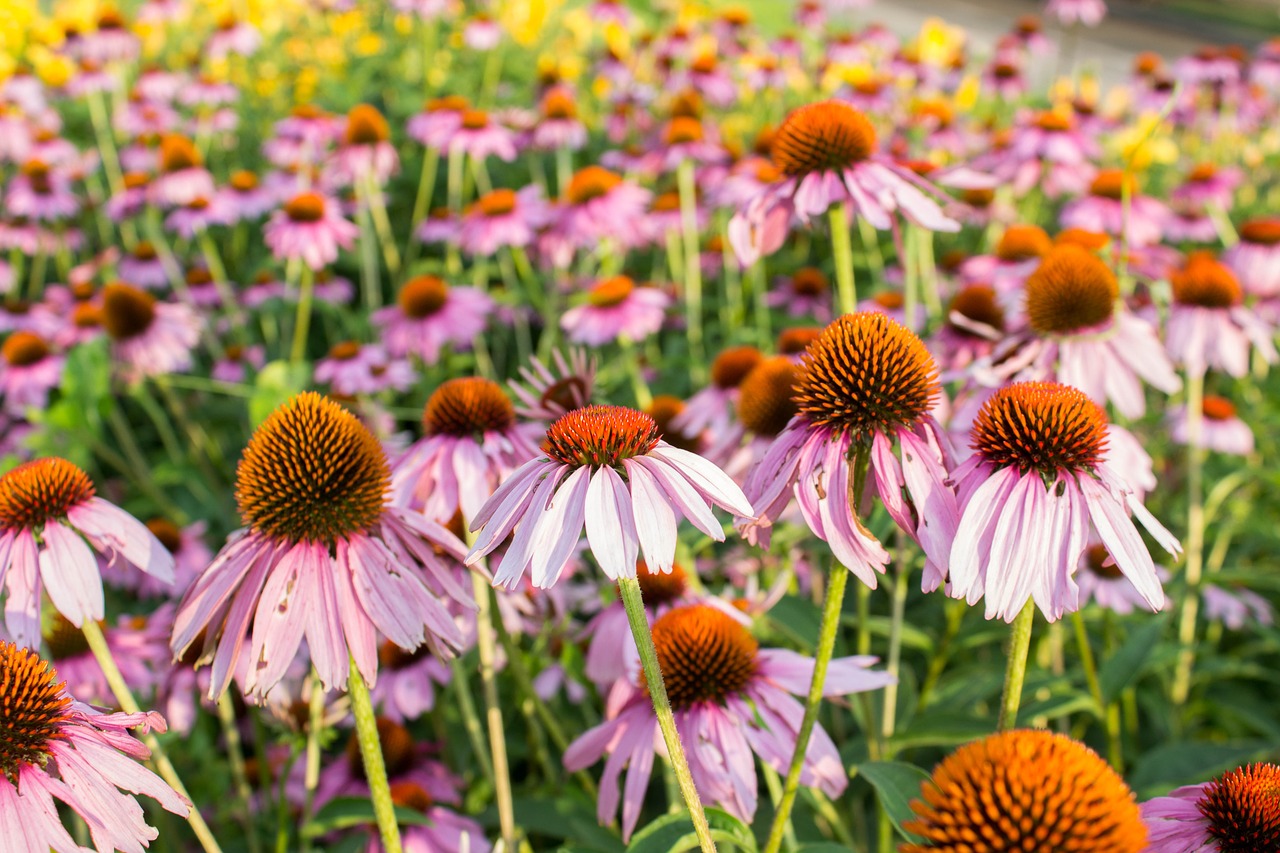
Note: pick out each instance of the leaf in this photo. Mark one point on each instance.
(348, 812)
(565, 817)
(1123, 668)
(274, 384)
(798, 618)
(1169, 766)
(936, 727)
(897, 784)
(674, 833)
(822, 847)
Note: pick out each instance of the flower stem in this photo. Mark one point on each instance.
(1111, 721)
(633, 603)
(311, 772)
(302, 323)
(1016, 671)
(1195, 537)
(375, 769)
(842, 249)
(102, 653)
(889, 715)
(235, 756)
(692, 266)
(493, 711)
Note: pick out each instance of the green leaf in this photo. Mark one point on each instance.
(1123, 668)
(822, 847)
(798, 618)
(275, 383)
(897, 784)
(348, 812)
(1175, 764)
(674, 833)
(936, 727)
(568, 818)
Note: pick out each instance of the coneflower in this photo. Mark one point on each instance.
(1238, 812)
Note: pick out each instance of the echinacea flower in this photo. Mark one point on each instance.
(600, 205)
(1101, 581)
(1238, 812)
(827, 154)
(429, 314)
(472, 443)
(1036, 486)
(615, 307)
(41, 193)
(712, 407)
(57, 750)
(1256, 258)
(140, 648)
(51, 523)
(1234, 605)
(148, 337)
(323, 554)
(1025, 790)
(546, 393)
(866, 383)
(1221, 429)
(579, 479)
(1017, 254)
(183, 177)
(29, 370)
(975, 323)
(610, 645)
(1140, 222)
(804, 293)
(731, 699)
(1072, 12)
(1208, 325)
(366, 152)
(503, 218)
(406, 687)
(309, 228)
(351, 368)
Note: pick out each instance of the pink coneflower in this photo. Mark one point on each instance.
(479, 137)
(143, 266)
(688, 138)
(1238, 811)
(1188, 223)
(244, 197)
(1256, 258)
(804, 293)
(182, 177)
(712, 407)
(1208, 325)
(51, 523)
(238, 363)
(111, 41)
(60, 750)
(827, 153)
(324, 555)
(864, 383)
(407, 681)
(429, 315)
(599, 205)
(139, 648)
(503, 218)
(731, 699)
(1235, 606)
(233, 36)
(206, 91)
(559, 126)
(1046, 149)
(132, 198)
(578, 480)
(548, 392)
(1036, 486)
(472, 443)
(352, 368)
(302, 137)
(309, 228)
(149, 338)
(439, 120)
(263, 288)
(1103, 209)
(365, 150)
(29, 370)
(143, 117)
(975, 323)
(190, 557)
(195, 216)
(1221, 429)
(613, 308)
(1071, 12)
(1207, 183)
(40, 193)
(1082, 335)
(1101, 581)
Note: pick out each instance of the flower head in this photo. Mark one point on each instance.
(1237, 812)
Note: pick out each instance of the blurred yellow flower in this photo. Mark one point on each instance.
(525, 19)
(1145, 142)
(939, 43)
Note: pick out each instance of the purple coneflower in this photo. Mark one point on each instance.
(1071, 12)
(600, 205)
(365, 151)
(29, 370)
(545, 393)
(1256, 258)
(712, 407)
(503, 218)
(323, 554)
(1101, 581)
(1237, 811)
(1208, 325)
(1221, 430)
(40, 193)
(804, 293)
(310, 228)
(183, 177)
(616, 307)
(559, 126)
(429, 314)
(352, 368)
(143, 267)
(1104, 209)
(148, 337)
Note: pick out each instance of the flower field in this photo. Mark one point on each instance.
(535, 425)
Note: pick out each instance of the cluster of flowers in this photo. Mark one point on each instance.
(997, 403)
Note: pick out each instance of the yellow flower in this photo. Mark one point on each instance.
(1146, 142)
(939, 43)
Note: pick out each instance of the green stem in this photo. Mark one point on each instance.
(692, 267)
(633, 603)
(1195, 537)
(842, 250)
(889, 715)
(239, 775)
(1111, 721)
(102, 653)
(1016, 671)
(375, 769)
(302, 323)
(311, 772)
(470, 719)
(493, 711)
(382, 224)
(421, 204)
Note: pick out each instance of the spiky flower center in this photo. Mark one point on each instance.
(596, 436)
(422, 296)
(1112, 184)
(890, 300)
(177, 153)
(23, 349)
(468, 406)
(61, 638)
(1055, 121)
(33, 709)
(828, 136)
(732, 366)
(167, 532)
(978, 197)
(1264, 232)
(682, 130)
(312, 473)
(611, 292)
(866, 373)
(765, 397)
(1206, 282)
(40, 491)
(344, 350)
(475, 119)
(144, 251)
(127, 311)
(38, 176)
(1218, 408)
(1243, 809)
(447, 104)
(410, 795)
(661, 587)
(1202, 173)
(705, 655)
(1025, 791)
(1099, 561)
(305, 207)
(1022, 243)
(1071, 289)
(244, 181)
(391, 656)
(366, 126)
(497, 203)
(664, 408)
(796, 340)
(1041, 426)
(591, 183)
(397, 749)
(810, 281)
(978, 303)
(1094, 241)
(558, 104)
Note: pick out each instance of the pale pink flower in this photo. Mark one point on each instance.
(1234, 812)
(1221, 429)
(430, 315)
(503, 218)
(1208, 325)
(600, 205)
(615, 307)
(351, 368)
(1103, 209)
(1236, 606)
(546, 393)
(407, 682)
(29, 370)
(310, 228)
(41, 194)
(1071, 12)
(1256, 258)
(1101, 581)
(148, 337)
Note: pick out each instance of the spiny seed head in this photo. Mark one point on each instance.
(468, 406)
(312, 473)
(1032, 791)
(1071, 289)
(422, 296)
(1206, 282)
(1263, 232)
(1113, 183)
(664, 408)
(366, 126)
(23, 349)
(766, 401)
(1022, 243)
(1218, 408)
(243, 181)
(866, 373)
(41, 491)
(591, 183)
(558, 103)
(397, 749)
(705, 655)
(1094, 241)
(977, 302)
(601, 435)
(167, 532)
(661, 587)
(611, 291)
(810, 281)
(1243, 809)
(410, 795)
(497, 203)
(796, 340)
(682, 130)
(1041, 426)
(33, 708)
(828, 136)
(127, 311)
(731, 366)
(177, 153)
(344, 350)
(305, 207)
